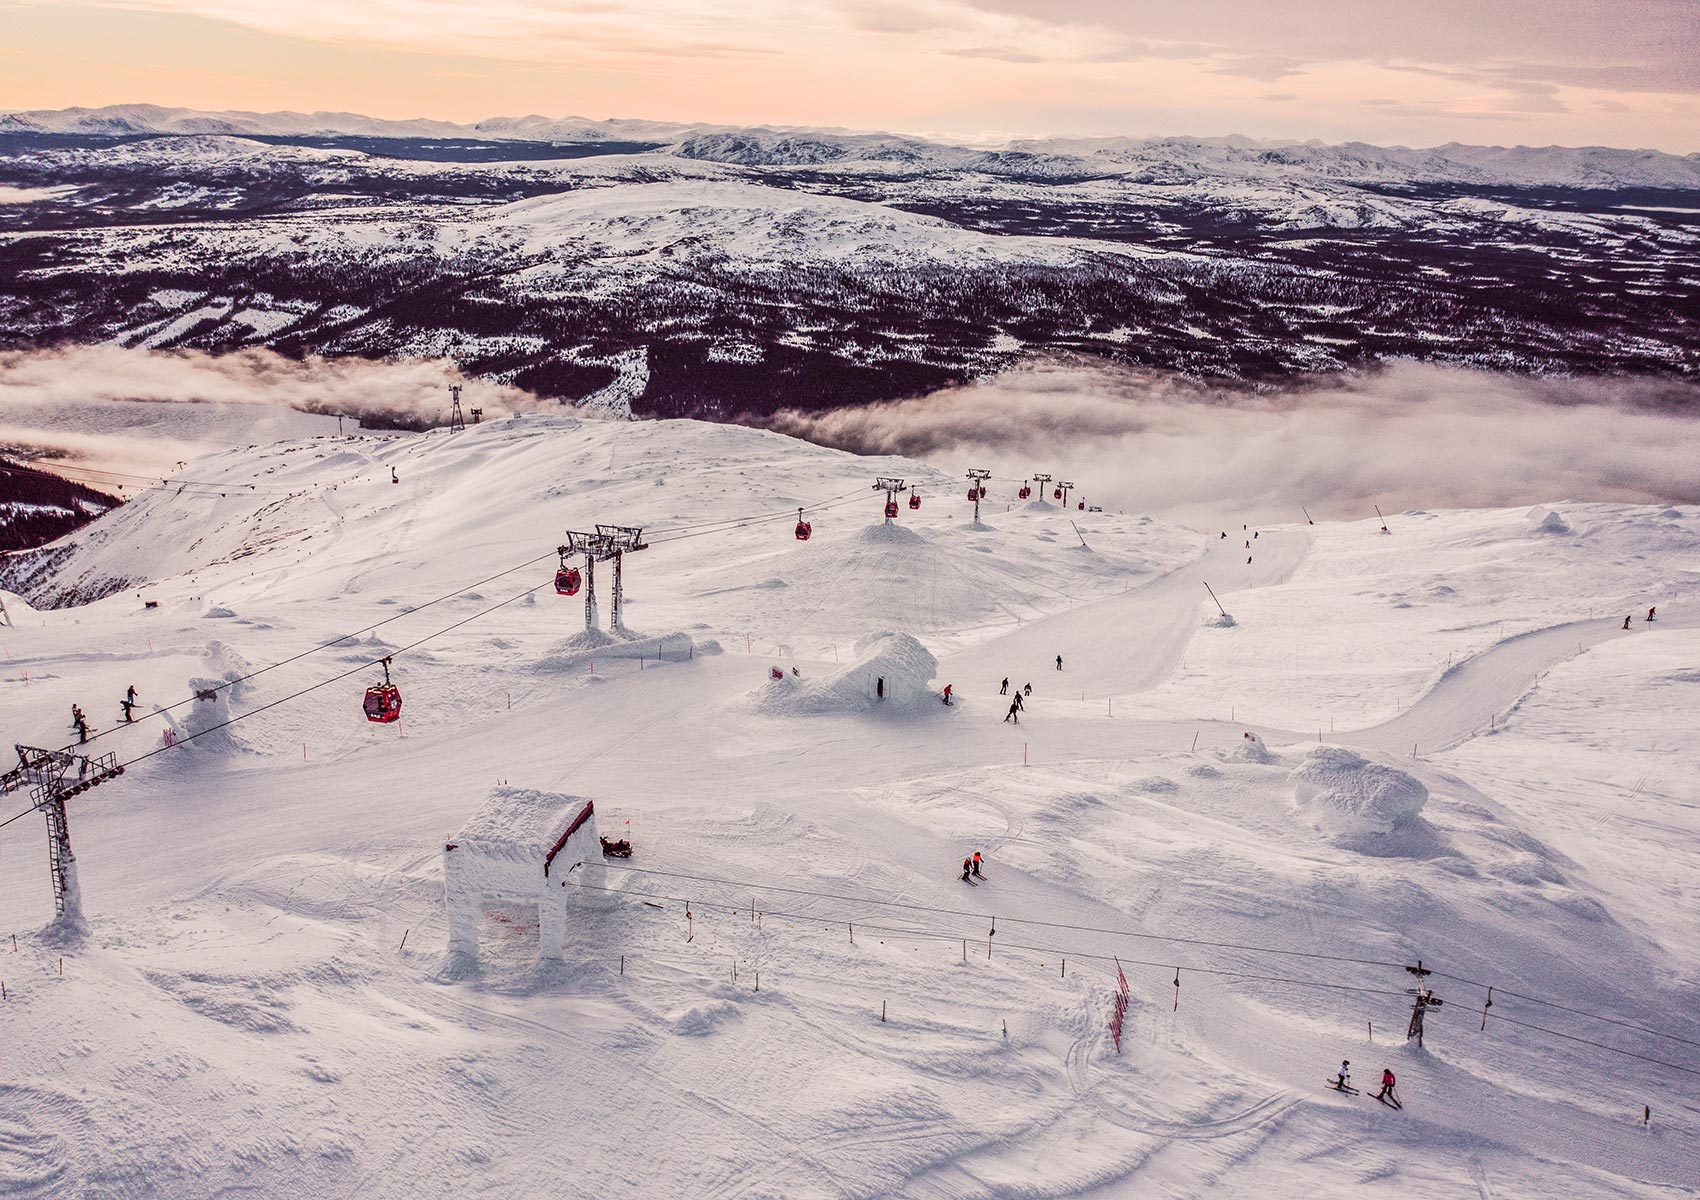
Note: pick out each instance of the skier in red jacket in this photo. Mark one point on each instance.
(1385, 1095)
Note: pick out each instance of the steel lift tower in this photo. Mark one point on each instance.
(52, 777)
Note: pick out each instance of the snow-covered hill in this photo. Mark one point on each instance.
(265, 1001)
(755, 270)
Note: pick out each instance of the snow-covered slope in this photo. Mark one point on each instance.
(789, 992)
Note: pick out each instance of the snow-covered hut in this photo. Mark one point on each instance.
(521, 845)
(892, 667)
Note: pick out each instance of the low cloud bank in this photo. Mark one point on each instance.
(143, 411)
(1406, 436)
(408, 394)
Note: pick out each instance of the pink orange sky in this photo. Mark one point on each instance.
(1623, 72)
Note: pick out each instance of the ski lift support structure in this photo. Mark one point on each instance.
(52, 777)
(890, 485)
(977, 481)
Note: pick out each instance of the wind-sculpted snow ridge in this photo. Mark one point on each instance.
(788, 989)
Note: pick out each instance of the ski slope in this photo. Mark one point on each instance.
(264, 1001)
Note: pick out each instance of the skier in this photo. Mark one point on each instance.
(1626, 621)
(1651, 612)
(1059, 662)
(1343, 1077)
(1248, 560)
(1020, 704)
(967, 866)
(947, 695)
(1014, 713)
(1004, 690)
(1254, 534)
(394, 478)
(976, 861)
(130, 693)
(80, 723)
(128, 706)
(1385, 1095)
(1027, 688)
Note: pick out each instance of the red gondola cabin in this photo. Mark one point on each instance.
(567, 581)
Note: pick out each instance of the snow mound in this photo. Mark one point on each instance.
(700, 1020)
(891, 670)
(892, 534)
(1221, 620)
(1544, 520)
(591, 644)
(1356, 801)
(1251, 749)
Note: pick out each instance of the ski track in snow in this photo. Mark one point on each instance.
(244, 1016)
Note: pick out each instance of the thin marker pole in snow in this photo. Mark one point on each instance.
(1024, 754)
(61, 965)
(622, 964)
(1195, 741)
(1371, 1025)
(404, 934)
(882, 1012)
(1487, 1006)
(852, 925)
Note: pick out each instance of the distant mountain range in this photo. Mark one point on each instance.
(685, 269)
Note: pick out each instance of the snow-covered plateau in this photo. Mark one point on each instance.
(746, 270)
(1442, 742)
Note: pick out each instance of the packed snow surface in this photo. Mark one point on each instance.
(1458, 754)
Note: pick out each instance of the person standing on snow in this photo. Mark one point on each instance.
(1020, 704)
(1059, 662)
(1651, 612)
(394, 478)
(1014, 713)
(1004, 690)
(976, 862)
(1027, 688)
(947, 694)
(128, 706)
(967, 865)
(1626, 621)
(1385, 1095)
(80, 723)
(130, 693)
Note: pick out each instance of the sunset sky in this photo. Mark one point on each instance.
(1615, 72)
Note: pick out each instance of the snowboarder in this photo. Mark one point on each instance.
(1385, 1095)
(1651, 612)
(1626, 621)
(1014, 713)
(947, 695)
(1004, 690)
(129, 710)
(1343, 1077)
(1059, 662)
(967, 866)
(976, 861)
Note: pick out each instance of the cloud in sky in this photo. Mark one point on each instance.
(1407, 436)
(1622, 72)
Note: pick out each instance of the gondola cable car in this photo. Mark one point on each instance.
(890, 509)
(914, 499)
(804, 528)
(383, 701)
(567, 579)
